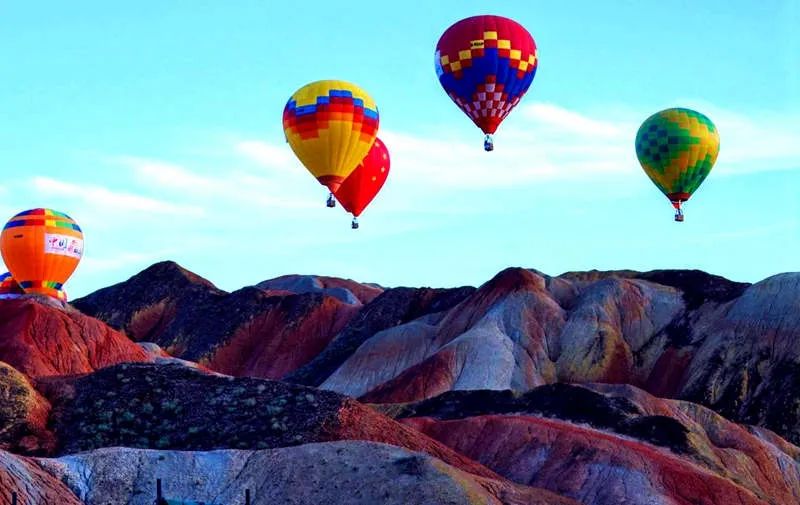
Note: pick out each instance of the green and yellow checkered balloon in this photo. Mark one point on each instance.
(677, 148)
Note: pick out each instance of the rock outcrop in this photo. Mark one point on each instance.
(23, 415)
(31, 483)
(613, 444)
(248, 332)
(392, 308)
(40, 340)
(344, 290)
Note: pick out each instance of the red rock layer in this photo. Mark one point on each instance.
(277, 342)
(32, 484)
(41, 341)
(574, 461)
(358, 422)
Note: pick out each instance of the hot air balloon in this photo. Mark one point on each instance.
(677, 148)
(42, 248)
(486, 64)
(360, 188)
(9, 287)
(330, 126)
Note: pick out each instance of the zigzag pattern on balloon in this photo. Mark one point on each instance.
(42, 217)
(459, 59)
(338, 105)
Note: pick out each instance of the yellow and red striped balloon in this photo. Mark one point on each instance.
(330, 125)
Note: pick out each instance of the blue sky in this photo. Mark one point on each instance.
(157, 126)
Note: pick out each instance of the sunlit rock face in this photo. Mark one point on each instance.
(41, 340)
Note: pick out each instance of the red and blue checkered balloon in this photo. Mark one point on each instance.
(486, 64)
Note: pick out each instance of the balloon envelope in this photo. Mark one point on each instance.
(330, 125)
(361, 187)
(677, 148)
(486, 64)
(41, 248)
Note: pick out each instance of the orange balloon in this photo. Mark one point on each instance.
(42, 248)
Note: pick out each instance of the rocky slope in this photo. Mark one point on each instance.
(23, 415)
(729, 346)
(31, 483)
(612, 444)
(523, 329)
(248, 332)
(157, 407)
(41, 340)
(392, 308)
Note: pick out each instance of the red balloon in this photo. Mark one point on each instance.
(360, 187)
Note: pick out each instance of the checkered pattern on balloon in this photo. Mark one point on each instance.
(486, 64)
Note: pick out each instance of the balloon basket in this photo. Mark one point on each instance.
(488, 143)
(331, 203)
(354, 224)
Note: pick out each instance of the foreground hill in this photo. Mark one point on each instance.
(594, 444)
(332, 473)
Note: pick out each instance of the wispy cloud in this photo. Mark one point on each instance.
(240, 187)
(99, 197)
(546, 142)
(752, 232)
(164, 174)
(566, 121)
(275, 157)
(762, 143)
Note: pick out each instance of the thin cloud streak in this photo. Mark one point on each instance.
(755, 142)
(233, 186)
(558, 118)
(164, 174)
(751, 232)
(105, 199)
(275, 157)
